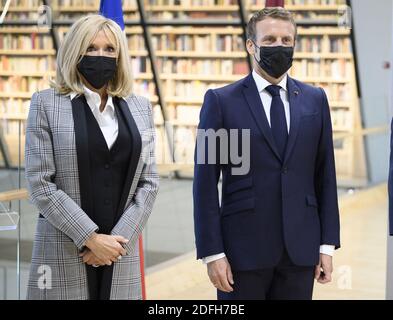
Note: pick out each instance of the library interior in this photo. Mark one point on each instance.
(179, 49)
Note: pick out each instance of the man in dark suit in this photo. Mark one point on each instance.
(277, 225)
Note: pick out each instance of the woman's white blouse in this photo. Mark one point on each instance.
(106, 119)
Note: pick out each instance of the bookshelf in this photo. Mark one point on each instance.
(191, 59)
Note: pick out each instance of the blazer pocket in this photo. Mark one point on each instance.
(238, 206)
(239, 185)
(312, 201)
(311, 114)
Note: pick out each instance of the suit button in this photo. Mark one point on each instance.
(284, 170)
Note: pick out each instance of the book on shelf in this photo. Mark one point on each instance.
(140, 65)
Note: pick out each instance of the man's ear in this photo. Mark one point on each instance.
(250, 47)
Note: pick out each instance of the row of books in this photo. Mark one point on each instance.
(94, 4)
(338, 91)
(234, 43)
(201, 15)
(331, 43)
(73, 16)
(219, 43)
(342, 120)
(12, 106)
(27, 16)
(261, 3)
(335, 68)
(22, 84)
(12, 128)
(310, 2)
(83, 3)
(203, 67)
(21, 3)
(63, 3)
(188, 3)
(315, 15)
(27, 64)
(25, 42)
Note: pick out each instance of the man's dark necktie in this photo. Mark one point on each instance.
(278, 121)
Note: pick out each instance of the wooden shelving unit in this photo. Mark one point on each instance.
(192, 59)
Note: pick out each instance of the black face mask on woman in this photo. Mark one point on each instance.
(97, 70)
(275, 60)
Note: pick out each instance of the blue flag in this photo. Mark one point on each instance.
(112, 9)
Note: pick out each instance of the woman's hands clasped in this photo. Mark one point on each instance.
(103, 249)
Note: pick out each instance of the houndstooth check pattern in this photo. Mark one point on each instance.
(53, 184)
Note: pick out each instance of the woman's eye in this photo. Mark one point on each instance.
(90, 49)
(111, 49)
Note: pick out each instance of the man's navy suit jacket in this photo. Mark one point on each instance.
(289, 202)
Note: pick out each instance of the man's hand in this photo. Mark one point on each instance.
(91, 259)
(323, 271)
(106, 248)
(220, 274)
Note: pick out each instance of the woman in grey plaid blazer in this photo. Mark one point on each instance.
(90, 170)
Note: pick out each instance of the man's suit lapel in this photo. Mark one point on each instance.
(253, 99)
(294, 95)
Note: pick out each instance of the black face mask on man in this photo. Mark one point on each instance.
(97, 70)
(275, 60)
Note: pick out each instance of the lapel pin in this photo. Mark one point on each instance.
(296, 92)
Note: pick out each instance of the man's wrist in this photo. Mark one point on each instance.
(214, 257)
(327, 249)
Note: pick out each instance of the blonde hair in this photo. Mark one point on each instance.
(75, 45)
